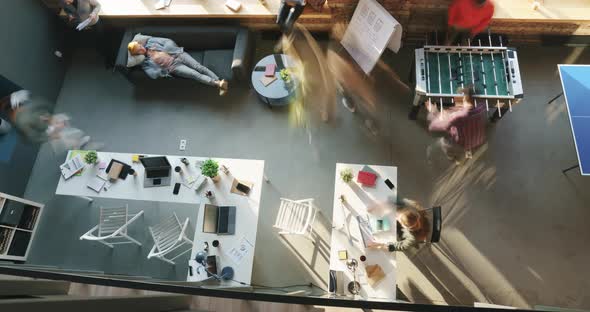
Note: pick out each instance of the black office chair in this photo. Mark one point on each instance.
(436, 223)
(435, 218)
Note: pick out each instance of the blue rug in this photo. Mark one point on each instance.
(7, 145)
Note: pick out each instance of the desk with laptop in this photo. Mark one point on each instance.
(227, 210)
(363, 213)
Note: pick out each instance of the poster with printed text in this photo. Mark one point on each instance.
(370, 31)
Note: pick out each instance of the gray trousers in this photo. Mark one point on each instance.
(187, 67)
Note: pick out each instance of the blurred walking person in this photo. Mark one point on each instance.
(79, 11)
(32, 119)
(467, 18)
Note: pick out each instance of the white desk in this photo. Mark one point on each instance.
(132, 189)
(346, 233)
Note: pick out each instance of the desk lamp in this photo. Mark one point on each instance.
(354, 287)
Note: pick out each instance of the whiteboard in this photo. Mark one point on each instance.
(370, 31)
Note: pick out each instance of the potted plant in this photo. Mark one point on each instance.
(285, 75)
(210, 168)
(91, 158)
(346, 175)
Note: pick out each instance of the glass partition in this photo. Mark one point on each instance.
(305, 182)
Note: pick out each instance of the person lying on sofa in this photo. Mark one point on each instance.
(163, 58)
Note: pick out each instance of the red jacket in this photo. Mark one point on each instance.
(466, 14)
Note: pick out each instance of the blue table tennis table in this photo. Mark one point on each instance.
(575, 81)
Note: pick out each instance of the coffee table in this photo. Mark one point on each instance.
(278, 93)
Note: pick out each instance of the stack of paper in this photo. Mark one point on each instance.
(162, 4)
(84, 24)
(233, 5)
(366, 233)
(374, 274)
(238, 252)
(70, 167)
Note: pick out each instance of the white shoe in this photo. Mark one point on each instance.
(19, 97)
(348, 105)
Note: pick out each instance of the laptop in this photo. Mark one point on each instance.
(219, 219)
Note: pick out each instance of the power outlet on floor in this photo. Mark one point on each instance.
(182, 146)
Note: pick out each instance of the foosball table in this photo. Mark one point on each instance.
(493, 72)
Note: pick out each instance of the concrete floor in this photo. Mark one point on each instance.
(514, 225)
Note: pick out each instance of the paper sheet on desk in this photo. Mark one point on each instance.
(238, 252)
(73, 153)
(161, 4)
(84, 24)
(72, 166)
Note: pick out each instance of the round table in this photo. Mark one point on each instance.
(277, 93)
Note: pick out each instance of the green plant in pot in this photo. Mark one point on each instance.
(210, 168)
(91, 158)
(346, 175)
(285, 75)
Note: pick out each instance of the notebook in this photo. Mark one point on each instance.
(233, 5)
(267, 80)
(269, 71)
(374, 274)
(96, 184)
(122, 173)
(366, 178)
(72, 166)
(115, 170)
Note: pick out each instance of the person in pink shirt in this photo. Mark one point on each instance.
(446, 120)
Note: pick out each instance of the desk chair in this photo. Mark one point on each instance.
(296, 216)
(434, 216)
(112, 227)
(169, 236)
(436, 222)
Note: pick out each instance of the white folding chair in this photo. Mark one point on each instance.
(169, 236)
(112, 227)
(296, 216)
